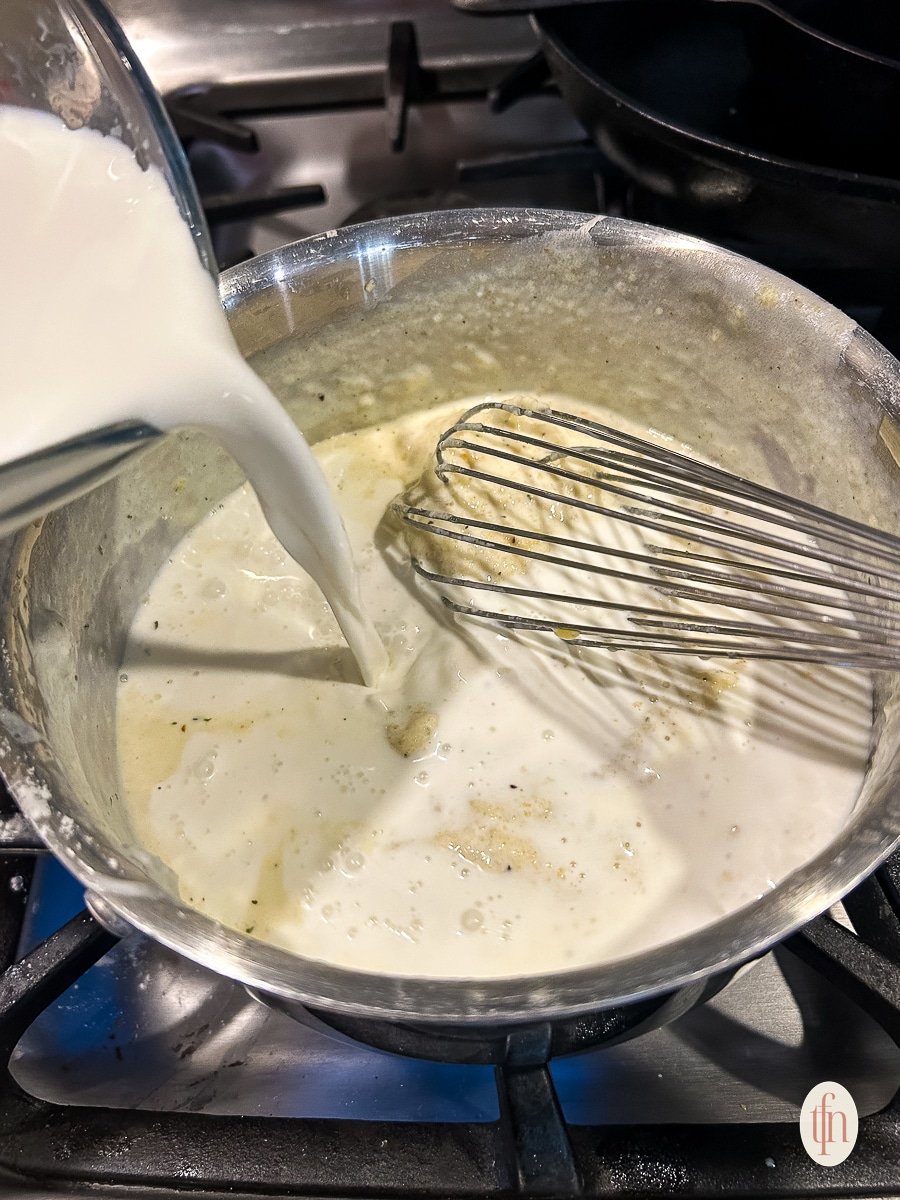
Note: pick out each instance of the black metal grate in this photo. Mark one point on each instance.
(56, 1149)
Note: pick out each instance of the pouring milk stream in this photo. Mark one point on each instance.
(113, 318)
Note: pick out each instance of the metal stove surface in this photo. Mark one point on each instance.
(275, 53)
(147, 1029)
(381, 106)
(348, 154)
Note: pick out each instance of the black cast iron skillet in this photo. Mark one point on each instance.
(772, 127)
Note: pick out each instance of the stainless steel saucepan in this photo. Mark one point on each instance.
(378, 320)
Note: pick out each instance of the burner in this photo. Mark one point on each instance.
(200, 1055)
(530, 1045)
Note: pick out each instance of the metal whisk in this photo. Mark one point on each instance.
(604, 539)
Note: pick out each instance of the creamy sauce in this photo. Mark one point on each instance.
(108, 315)
(488, 810)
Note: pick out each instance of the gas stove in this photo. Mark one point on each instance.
(129, 1070)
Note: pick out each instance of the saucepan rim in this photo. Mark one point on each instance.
(132, 896)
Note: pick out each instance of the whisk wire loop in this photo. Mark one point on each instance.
(532, 499)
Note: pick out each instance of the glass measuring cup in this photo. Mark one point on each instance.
(70, 58)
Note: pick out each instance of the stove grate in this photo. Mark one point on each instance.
(530, 1150)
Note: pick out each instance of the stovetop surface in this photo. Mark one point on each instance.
(146, 1029)
(130, 1066)
(259, 47)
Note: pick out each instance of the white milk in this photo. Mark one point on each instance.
(488, 810)
(106, 314)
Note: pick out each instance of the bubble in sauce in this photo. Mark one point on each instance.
(353, 863)
(205, 767)
(471, 920)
